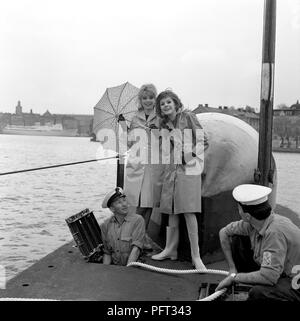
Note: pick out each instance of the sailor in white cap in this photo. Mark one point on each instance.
(123, 233)
(111, 196)
(262, 249)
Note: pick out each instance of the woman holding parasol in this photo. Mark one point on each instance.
(140, 174)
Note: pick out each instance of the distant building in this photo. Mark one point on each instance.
(246, 114)
(294, 110)
(19, 109)
(83, 123)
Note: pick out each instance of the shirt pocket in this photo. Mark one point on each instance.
(125, 246)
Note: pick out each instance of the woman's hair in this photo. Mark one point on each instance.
(147, 88)
(163, 95)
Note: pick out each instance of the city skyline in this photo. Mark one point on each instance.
(62, 56)
(48, 109)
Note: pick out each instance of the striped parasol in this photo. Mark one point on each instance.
(115, 101)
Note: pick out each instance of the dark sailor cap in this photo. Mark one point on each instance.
(112, 196)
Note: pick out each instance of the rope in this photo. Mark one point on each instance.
(172, 271)
(59, 165)
(25, 299)
(214, 295)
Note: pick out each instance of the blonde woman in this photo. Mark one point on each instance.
(140, 173)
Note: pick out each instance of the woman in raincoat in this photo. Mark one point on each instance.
(183, 149)
(140, 174)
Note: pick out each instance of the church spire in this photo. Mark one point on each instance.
(19, 108)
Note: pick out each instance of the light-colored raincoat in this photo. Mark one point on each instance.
(140, 175)
(181, 182)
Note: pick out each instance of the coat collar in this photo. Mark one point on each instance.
(141, 114)
(170, 124)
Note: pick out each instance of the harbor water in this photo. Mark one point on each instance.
(34, 205)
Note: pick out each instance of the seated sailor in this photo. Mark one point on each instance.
(262, 249)
(123, 233)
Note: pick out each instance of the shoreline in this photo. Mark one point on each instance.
(285, 150)
(274, 149)
(46, 135)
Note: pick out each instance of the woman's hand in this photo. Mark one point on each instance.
(187, 157)
(152, 126)
(121, 118)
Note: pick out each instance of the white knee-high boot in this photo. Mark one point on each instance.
(195, 253)
(170, 250)
(192, 227)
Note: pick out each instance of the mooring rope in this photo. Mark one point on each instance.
(214, 295)
(59, 165)
(173, 271)
(26, 299)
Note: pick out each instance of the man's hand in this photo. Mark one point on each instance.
(106, 259)
(232, 270)
(134, 254)
(227, 282)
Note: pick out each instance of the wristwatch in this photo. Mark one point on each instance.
(233, 275)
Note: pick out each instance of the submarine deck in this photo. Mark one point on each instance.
(65, 275)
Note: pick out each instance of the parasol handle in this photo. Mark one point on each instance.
(120, 171)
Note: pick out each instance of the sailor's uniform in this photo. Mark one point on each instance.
(274, 250)
(120, 237)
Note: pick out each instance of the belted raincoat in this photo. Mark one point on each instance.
(181, 182)
(140, 175)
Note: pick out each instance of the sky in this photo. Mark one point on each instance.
(61, 55)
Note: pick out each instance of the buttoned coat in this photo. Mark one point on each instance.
(181, 182)
(140, 175)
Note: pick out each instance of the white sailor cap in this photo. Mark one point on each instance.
(112, 196)
(251, 194)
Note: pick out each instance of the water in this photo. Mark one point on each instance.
(34, 205)
(288, 171)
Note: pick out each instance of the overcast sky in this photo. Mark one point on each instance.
(61, 55)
